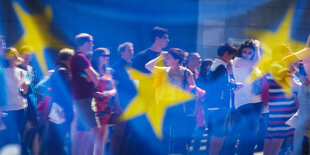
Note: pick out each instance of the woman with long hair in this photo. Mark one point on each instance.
(248, 100)
(104, 92)
(176, 135)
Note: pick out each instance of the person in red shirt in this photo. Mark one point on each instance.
(84, 81)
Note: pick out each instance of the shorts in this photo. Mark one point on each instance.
(217, 122)
(85, 115)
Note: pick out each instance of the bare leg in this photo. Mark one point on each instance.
(267, 147)
(90, 139)
(272, 146)
(216, 144)
(100, 140)
(80, 143)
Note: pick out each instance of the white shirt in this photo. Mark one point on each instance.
(243, 95)
(12, 77)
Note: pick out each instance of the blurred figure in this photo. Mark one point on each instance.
(248, 100)
(61, 109)
(2, 88)
(160, 39)
(104, 93)
(122, 141)
(218, 97)
(202, 82)
(84, 81)
(193, 62)
(302, 127)
(176, 136)
(32, 117)
(16, 85)
(203, 77)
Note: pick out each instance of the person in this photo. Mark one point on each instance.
(16, 85)
(218, 97)
(104, 93)
(124, 85)
(248, 100)
(160, 40)
(201, 82)
(32, 117)
(302, 126)
(2, 88)
(281, 109)
(205, 67)
(84, 81)
(193, 62)
(177, 140)
(122, 140)
(60, 115)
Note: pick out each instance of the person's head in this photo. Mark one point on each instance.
(247, 50)
(84, 42)
(12, 57)
(159, 36)
(25, 52)
(205, 67)
(64, 56)
(226, 52)
(175, 56)
(194, 60)
(126, 51)
(2, 45)
(100, 58)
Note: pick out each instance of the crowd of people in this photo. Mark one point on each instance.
(75, 108)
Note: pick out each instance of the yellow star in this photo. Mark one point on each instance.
(36, 32)
(155, 95)
(269, 40)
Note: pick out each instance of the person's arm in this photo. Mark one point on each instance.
(257, 51)
(151, 64)
(24, 82)
(106, 93)
(92, 74)
(190, 80)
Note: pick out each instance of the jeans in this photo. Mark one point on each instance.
(250, 114)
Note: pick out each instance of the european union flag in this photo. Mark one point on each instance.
(50, 25)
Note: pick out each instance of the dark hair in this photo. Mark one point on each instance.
(122, 47)
(226, 47)
(81, 38)
(247, 44)
(177, 53)
(64, 54)
(191, 56)
(158, 32)
(203, 72)
(95, 57)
